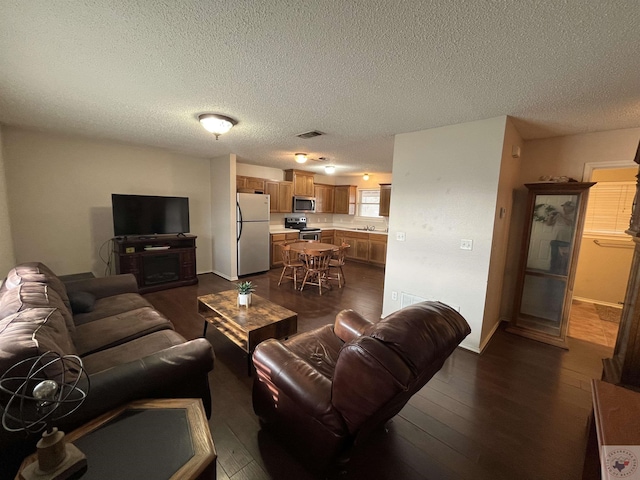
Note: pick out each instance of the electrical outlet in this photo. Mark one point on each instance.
(466, 244)
(394, 295)
(400, 236)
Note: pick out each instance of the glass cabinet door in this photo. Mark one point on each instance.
(547, 269)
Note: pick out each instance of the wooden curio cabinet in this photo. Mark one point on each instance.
(551, 240)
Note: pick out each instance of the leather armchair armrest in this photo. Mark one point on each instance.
(350, 325)
(172, 372)
(278, 366)
(105, 286)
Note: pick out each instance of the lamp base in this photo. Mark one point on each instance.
(74, 461)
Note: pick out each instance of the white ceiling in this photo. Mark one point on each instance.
(140, 71)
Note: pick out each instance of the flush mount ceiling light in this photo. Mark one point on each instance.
(216, 124)
(365, 176)
(329, 169)
(301, 157)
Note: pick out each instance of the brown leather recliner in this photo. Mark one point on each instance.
(326, 389)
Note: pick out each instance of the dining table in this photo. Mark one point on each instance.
(300, 247)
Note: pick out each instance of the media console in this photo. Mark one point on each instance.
(158, 262)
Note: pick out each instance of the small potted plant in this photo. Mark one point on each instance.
(244, 293)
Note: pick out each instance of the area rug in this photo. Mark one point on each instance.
(608, 314)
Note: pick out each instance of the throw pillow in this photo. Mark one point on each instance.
(82, 302)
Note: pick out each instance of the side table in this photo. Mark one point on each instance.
(167, 438)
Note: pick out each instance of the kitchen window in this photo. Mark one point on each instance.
(369, 203)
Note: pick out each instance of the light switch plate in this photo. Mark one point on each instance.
(400, 236)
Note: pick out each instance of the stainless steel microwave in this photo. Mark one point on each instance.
(304, 204)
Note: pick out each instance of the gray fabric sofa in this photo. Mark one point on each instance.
(129, 350)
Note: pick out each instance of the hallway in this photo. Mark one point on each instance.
(594, 323)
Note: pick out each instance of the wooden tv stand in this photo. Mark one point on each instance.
(158, 262)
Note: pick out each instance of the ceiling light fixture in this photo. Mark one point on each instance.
(365, 176)
(216, 124)
(329, 169)
(301, 157)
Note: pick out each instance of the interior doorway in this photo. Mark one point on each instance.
(603, 267)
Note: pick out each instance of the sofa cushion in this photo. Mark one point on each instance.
(33, 295)
(32, 332)
(131, 351)
(111, 306)
(82, 302)
(117, 329)
(35, 272)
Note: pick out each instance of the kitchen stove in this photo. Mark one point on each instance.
(300, 224)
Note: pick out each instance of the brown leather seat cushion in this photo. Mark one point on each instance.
(117, 329)
(130, 351)
(111, 306)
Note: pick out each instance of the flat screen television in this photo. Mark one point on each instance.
(149, 215)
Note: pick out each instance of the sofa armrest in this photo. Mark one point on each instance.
(279, 367)
(104, 286)
(350, 325)
(179, 371)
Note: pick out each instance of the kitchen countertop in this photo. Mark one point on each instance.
(277, 229)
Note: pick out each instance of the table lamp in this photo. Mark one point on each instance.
(42, 390)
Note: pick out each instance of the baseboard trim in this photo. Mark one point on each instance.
(598, 302)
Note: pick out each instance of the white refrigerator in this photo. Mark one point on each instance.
(252, 221)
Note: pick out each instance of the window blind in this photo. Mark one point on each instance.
(609, 208)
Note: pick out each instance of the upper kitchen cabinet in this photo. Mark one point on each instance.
(385, 199)
(345, 199)
(302, 182)
(324, 198)
(249, 184)
(281, 196)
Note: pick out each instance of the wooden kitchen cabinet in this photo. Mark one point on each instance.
(385, 199)
(377, 248)
(365, 247)
(302, 182)
(277, 239)
(327, 236)
(250, 183)
(359, 242)
(345, 199)
(324, 198)
(281, 195)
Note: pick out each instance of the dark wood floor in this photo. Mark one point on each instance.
(518, 411)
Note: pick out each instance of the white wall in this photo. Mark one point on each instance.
(445, 184)
(499, 270)
(59, 189)
(7, 255)
(223, 216)
(258, 171)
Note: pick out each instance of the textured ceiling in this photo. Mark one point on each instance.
(140, 71)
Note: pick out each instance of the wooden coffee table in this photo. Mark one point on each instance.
(246, 326)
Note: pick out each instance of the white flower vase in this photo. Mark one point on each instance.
(244, 299)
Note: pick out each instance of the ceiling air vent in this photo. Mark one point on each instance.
(311, 134)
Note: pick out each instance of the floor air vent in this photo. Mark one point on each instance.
(311, 134)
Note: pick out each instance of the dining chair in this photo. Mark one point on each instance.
(316, 268)
(337, 262)
(291, 262)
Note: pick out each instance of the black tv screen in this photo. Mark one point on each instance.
(149, 215)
